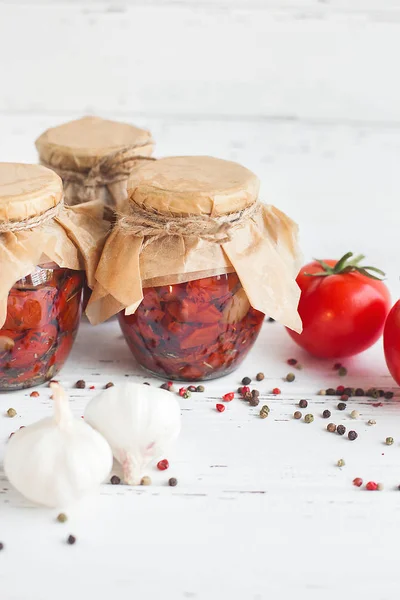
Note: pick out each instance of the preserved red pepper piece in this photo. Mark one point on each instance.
(43, 314)
(193, 331)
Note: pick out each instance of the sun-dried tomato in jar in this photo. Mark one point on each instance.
(193, 266)
(42, 274)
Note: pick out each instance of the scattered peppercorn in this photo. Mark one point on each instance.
(255, 393)
(297, 414)
(247, 396)
(165, 386)
(220, 407)
(260, 376)
(341, 406)
(381, 393)
(92, 387)
(371, 486)
(246, 381)
(62, 518)
(182, 391)
(358, 481)
(299, 366)
(172, 482)
(292, 362)
(200, 388)
(337, 366)
(163, 465)
(342, 372)
(339, 390)
(340, 462)
(276, 391)
(372, 393)
(146, 383)
(108, 385)
(115, 480)
(264, 412)
(348, 391)
(271, 320)
(80, 384)
(11, 412)
(389, 441)
(303, 403)
(330, 392)
(228, 397)
(352, 435)
(354, 414)
(359, 392)
(245, 390)
(331, 427)
(1, 546)
(341, 429)
(145, 480)
(71, 539)
(380, 487)
(186, 395)
(309, 418)
(389, 395)
(344, 398)
(322, 393)
(326, 414)
(34, 394)
(254, 401)
(290, 377)
(371, 422)
(192, 388)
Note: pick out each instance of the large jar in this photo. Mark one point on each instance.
(194, 265)
(44, 250)
(94, 157)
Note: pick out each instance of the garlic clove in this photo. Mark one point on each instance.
(139, 422)
(57, 460)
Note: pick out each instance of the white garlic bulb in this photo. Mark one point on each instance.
(59, 459)
(138, 421)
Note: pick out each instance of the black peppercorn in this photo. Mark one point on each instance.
(254, 401)
(326, 414)
(348, 391)
(303, 403)
(389, 395)
(115, 480)
(1, 546)
(165, 386)
(360, 392)
(172, 482)
(271, 320)
(331, 427)
(246, 381)
(352, 435)
(247, 396)
(192, 388)
(200, 388)
(341, 429)
(341, 406)
(381, 393)
(260, 376)
(80, 384)
(108, 385)
(71, 540)
(255, 393)
(146, 383)
(330, 392)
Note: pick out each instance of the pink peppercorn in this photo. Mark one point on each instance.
(245, 390)
(276, 391)
(340, 390)
(34, 394)
(163, 465)
(92, 387)
(358, 481)
(371, 486)
(292, 361)
(228, 397)
(182, 391)
(220, 407)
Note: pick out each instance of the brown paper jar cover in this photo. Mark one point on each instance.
(262, 248)
(94, 157)
(36, 227)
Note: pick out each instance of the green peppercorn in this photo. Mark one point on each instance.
(303, 403)
(354, 414)
(264, 412)
(246, 381)
(341, 429)
(62, 518)
(342, 371)
(145, 480)
(200, 388)
(309, 418)
(298, 366)
(340, 462)
(260, 376)
(331, 427)
(297, 414)
(186, 394)
(11, 412)
(341, 406)
(326, 414)
(389, 441)
(290, 377)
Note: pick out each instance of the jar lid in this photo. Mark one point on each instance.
(79, 144)
(27, 191)
(193, 185)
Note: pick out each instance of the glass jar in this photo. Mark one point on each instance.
(43, 315)
(193, 331)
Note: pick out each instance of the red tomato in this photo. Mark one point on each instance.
(343, 314)
(391, 342)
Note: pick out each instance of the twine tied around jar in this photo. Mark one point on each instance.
(32, 222)
(155, 225)
(114, 167)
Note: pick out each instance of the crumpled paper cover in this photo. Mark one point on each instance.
(264, 253)
(74, 239)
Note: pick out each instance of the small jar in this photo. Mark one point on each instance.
(94, 157)
(42, 274)
(194, 265)
(193, 331)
